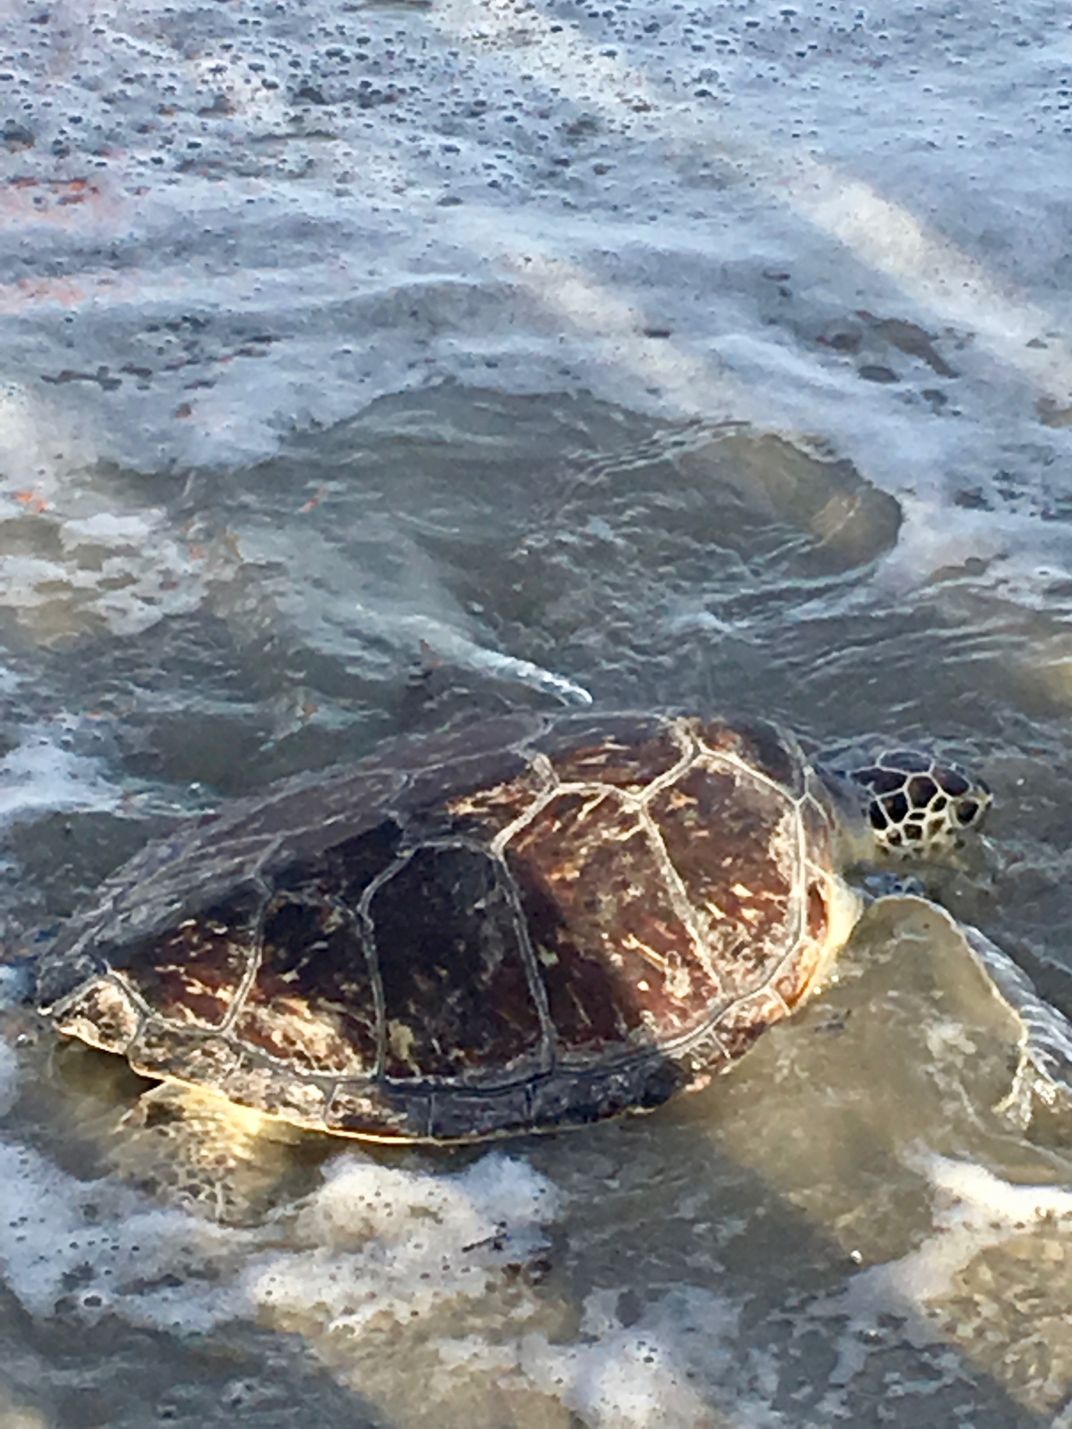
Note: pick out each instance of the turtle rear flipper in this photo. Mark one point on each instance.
(195, 1149)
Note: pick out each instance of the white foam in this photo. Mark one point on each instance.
(379, 1241)
(642, 1376)
(372, 1248)
(442, 195)
(371, 1241)
(41, 445)
(410, 1285)
(971, 1194)
(39, 775)
(125, 571)
(105, 1249)
(975, 1211)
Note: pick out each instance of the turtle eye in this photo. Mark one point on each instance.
(967, 811)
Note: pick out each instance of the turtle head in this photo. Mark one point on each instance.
(910, 803)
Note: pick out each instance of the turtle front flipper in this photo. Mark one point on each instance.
(195, 1149)
(1042, 1041)
(1043, 1071)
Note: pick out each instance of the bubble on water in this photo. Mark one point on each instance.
(431, 1259)
(85, 567)
(410, 1283)
(90, 1249)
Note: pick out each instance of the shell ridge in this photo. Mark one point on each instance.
(253, 963)
(69, 1004)
(687, 743)
(366, 936)
(545, 723)
(675, 886)
(145, 1012)
(353, 919)
(744, 773)
(539, 803)
(372, 954)
(530, 962)
(799, 900)
(725, 756)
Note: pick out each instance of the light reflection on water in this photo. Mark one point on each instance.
(832, 1225)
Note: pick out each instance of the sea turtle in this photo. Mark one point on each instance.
(534, 922)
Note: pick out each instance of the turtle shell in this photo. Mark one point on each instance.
(533, 922)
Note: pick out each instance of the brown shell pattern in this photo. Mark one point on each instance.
(537, 922)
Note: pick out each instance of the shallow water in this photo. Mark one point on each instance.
(692, 357)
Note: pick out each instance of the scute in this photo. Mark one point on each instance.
(734, 844)
(312, 1001)
(457, 996)
(495, 790)
(191, 973)
(102, 1013)
(762, 747)
(525, 923)
(192, 1056)
(616, 959)
(487, 739)
(627, 752)
(346, 870)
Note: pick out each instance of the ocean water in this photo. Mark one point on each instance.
(363, 367)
